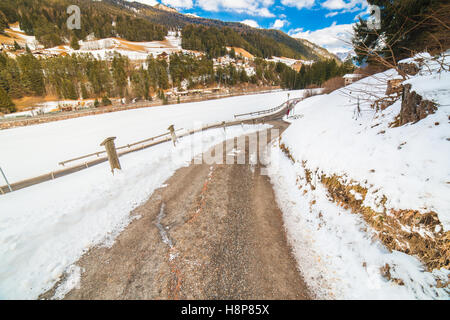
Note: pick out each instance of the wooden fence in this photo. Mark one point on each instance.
(143, 144)
(8, 123)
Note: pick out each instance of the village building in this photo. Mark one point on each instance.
(351, 77)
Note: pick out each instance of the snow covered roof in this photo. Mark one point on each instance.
(352, 76)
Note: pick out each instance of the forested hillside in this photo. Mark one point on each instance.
(84, 76)
(261, 42)
(46, 19)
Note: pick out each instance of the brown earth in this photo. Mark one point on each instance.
(213, 232)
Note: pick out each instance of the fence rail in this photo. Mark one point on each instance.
(142, 145)
(288, 104)
(62, 163)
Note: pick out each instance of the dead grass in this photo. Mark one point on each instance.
(27, 102)
(407, 231)
(333, 84)
(243, 52)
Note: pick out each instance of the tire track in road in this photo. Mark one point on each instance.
(213, 232)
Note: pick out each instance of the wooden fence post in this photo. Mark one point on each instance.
(172, 134)
(112, 153)
(7, 182)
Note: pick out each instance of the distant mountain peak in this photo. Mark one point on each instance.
(163, 7)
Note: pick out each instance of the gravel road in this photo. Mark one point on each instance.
(212, 232)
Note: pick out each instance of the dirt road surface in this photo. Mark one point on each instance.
(212, 232)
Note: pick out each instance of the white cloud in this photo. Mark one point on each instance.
(182, 4)
(346, 6)
(331, 14)
(147, 2)
(279, 23)
(251, 23)
(251, 7)
(336, 38)
(299, 4)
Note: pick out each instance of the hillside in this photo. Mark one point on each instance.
(45, 19)
(369, 197)
(264, 42)
(322, 52)
(135, 52)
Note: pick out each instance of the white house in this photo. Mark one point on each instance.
(352, 77)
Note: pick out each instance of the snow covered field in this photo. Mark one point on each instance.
(107, 47)
(409, 165)
(35, 150)
(44, 229)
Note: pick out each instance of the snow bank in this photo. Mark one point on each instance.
(336, 254)
(408, 164)
(337, 251)
(46, 228)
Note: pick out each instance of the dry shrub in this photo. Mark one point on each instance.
(408, 231)
(287, 152)
(437, 40)
(333, 84)
(370, 70)
(310, 93)
(431, 246)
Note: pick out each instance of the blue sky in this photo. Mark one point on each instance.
(325, 22)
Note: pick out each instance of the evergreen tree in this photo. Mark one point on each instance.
(16, 46)
(6, 104)
(406, 26)
(119, 66)
(141, 84)
(232, 53)
(32, 76)
(3, 22)
(74, 43)
(84, 92)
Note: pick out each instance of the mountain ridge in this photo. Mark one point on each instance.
(135, 21)
(294, 48)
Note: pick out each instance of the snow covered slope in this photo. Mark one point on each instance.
(105, 48)
(355, 180)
